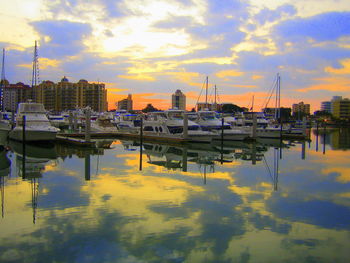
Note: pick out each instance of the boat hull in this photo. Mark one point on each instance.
(32, 135)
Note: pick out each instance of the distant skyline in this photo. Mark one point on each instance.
(151, 48)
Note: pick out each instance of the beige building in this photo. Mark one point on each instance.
(66, 95)
(125, 104)
(13, 94)
(340, 107)
(301, 108)
(178, 100)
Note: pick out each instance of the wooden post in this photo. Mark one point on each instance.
(141, 143)
(24, 146)
(304, 126)
(255, 124)
(185, 129)
(222, 140)
(324, 139)
(70, 120)
(87, 125)
(253, 153)
(75, 121)
(12, 119)
(87, 166)
(184, 158)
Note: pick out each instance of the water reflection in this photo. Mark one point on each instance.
(268, 201)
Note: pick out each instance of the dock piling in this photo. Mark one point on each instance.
(87, 125)
(24, 146)
(141, 143)
(185, 130)
(255, 124)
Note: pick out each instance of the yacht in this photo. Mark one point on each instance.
(128, 122)
(5, 128)
(209, 121)
(170, 124)
(59, 120)
(103, 123)
(37, 125)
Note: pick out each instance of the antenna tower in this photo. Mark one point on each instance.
(35, 73)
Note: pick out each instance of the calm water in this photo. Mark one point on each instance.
(196, 204)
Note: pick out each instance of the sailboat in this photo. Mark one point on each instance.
(209, 121)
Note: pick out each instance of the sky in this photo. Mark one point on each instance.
(151, 48)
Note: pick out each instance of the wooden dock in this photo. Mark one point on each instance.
(74, 141)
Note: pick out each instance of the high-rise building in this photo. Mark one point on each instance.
(45, 93)
(301, 108)
(66, 95)
(326, 106)
(178, 100)
(340, 107)
(14, 94)
(125, 104)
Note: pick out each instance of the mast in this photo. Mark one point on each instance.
(215, 104)
(2, 81)
(206, 92)
(215, 94)
(278, 98)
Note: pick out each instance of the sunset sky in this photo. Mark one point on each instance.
(150, 48)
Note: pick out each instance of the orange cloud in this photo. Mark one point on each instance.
(228, 73)
(340, 71)
(257, 77)
(142, 77)
(329, 84)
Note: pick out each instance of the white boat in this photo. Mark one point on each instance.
(5, 128)
(37, 125)
(59, 121)
(103, 123)
(170, 124)
(208, 121)
(128, 122)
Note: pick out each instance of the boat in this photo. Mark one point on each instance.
(104, 124)
(59, 121)
(5, 128)
(169, 124)
(208, 121)
(37, 124)
(128, 122)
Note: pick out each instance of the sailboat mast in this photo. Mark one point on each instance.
(277, 100)
(279, 96)
(206, 92)
(215, 94)
(2, 81)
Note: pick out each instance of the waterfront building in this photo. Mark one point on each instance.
(340, 107)
(326, 106)
(66, 95)
(13, 94)
(178, 100)
(301, 108)
(125, 104)
(45, 93)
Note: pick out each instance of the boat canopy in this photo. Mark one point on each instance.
(31, 108)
